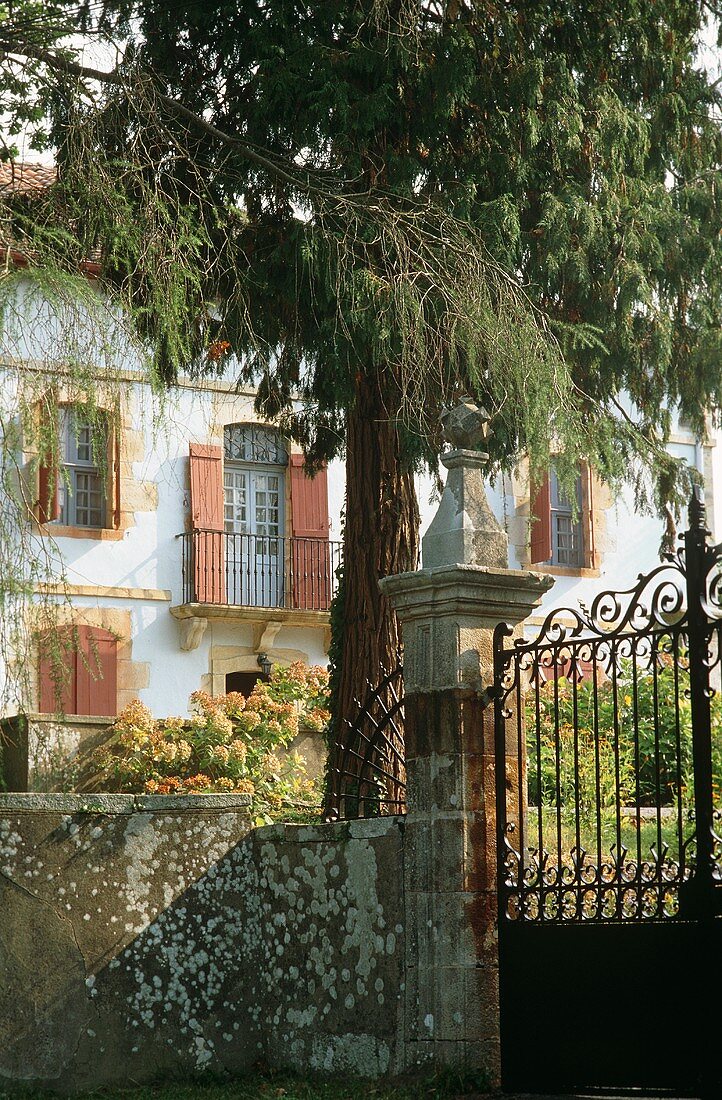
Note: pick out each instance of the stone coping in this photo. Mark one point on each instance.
(365, 828)
(34, 801)
(44, 718)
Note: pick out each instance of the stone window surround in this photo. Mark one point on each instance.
(596, 500)
(597, 536)
(135, 495)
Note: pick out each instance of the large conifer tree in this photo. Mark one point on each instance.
(575, 142)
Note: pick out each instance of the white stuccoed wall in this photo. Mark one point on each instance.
(149, 555)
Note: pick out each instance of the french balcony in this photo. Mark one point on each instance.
(254, 578)
(259, 571)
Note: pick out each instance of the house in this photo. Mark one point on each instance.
(186, 547)
(195, 550)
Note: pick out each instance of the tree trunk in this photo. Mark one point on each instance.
(381, 536)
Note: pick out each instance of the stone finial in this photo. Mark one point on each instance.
(464, 530)
(466, 426)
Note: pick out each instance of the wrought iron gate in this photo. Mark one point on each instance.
(367, 766)
(608, 733)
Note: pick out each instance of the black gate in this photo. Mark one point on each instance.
(609, 775)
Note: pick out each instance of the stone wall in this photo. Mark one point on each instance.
(145, 936)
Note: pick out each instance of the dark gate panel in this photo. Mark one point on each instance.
(590, 1006)
(609, 782)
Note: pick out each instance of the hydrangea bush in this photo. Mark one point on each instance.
(231, 743)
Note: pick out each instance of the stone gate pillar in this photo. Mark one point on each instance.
(448, 611)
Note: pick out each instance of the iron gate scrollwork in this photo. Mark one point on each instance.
(367, 766)
(608, 729)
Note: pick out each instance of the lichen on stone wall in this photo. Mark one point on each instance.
(206, 945)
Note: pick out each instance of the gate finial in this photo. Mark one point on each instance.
(697, 512)
(466, 427)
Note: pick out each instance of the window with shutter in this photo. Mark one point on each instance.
(566, 530)
(82, 486)
(561, 532)
(254, 488)
(78, 672)
(79, 471)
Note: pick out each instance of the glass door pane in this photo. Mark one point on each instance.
(267, 512)
(235, 499)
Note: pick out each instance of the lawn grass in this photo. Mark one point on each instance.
(637, 845)
(446, 1085)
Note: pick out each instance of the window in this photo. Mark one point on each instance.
(81, 491)
(259, 524)
(253, 495)
(567, 548)
(77, 495)
(557, 537)
(254, 443)
(78, 672)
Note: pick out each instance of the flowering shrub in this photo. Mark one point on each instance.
(231, 743)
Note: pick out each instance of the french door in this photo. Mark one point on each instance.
(254, 523)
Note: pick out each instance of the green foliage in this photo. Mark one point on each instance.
(587, 769)
(359, 206)
(517, 202)
(579, 148)
(26, 99)
(230, 744)
(645, 754)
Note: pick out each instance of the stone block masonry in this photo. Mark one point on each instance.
(448, 611)
(150, 937)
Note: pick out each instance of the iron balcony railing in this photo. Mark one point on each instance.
(258, 570)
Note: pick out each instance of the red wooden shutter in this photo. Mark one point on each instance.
(590, 549)
(96, 672)
(90, 657)
(57, 672)
(48, 507)
(206, 473)
(541, 525)
(310, 550)
(578, 670)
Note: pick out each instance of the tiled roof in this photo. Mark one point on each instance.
(24, 177)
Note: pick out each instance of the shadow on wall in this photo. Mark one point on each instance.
(141, 938)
